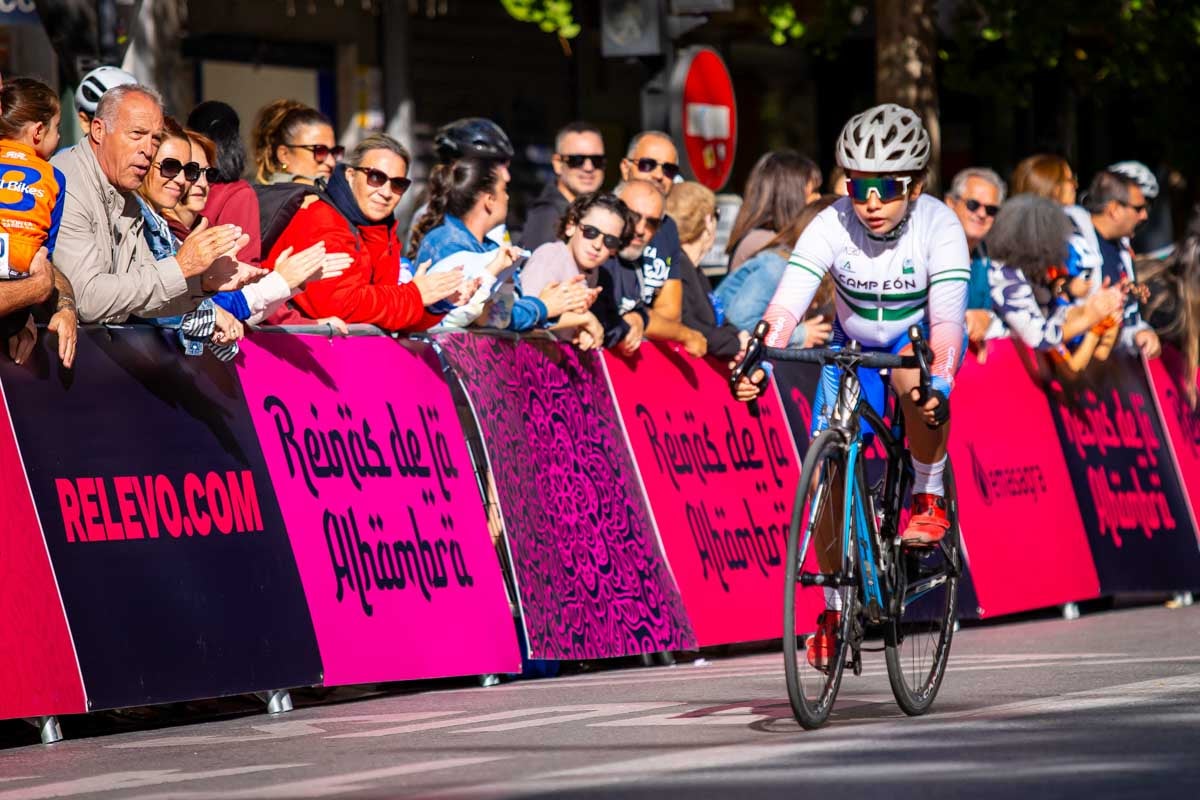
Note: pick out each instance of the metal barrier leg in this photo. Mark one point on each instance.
(279, 701)
(48, 728)
(489, 680)
(1070, 611)
(1181, 600)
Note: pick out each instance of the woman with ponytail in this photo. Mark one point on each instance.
(1174, 306)
(294, 143)
(463, 226)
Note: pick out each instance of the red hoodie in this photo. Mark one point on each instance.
(369, 290)
(237, 204)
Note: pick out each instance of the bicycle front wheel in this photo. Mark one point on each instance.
(917, 640)
(817, 576)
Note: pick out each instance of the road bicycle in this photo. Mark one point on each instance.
(844, 545)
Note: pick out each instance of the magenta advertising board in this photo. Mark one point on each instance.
(591, 578)
(720, 477)
(1014, 491)
(367, 458)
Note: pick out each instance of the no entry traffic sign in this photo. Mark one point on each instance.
(704, 115)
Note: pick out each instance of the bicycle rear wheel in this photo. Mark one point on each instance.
(917, 641)
(817, 523)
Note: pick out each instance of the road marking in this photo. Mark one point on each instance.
(558, 715)
(327, 785)
(714, 764)
(134, 779)
(280, 730)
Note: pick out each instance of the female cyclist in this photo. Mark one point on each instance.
(898, 258)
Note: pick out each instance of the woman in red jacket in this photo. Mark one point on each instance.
(354, 215)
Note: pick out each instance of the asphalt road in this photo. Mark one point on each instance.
(1104, 706)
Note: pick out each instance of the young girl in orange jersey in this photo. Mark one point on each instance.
(31, 190)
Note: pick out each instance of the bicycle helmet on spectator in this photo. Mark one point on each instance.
(96, 83)
(1140, 174)
(472, 137)
(887, 138)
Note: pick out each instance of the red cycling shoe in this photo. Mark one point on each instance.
(929, 522)
(822, 645)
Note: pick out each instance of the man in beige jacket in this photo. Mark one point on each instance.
(102, 247)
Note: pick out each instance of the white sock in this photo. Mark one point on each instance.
(927, 478)
(833, 599)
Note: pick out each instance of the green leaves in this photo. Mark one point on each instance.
(785, 24)
(552, 16)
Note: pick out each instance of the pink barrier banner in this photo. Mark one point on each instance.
(720, 477)
(1181, 421)
(41, 676)
(1014, 491)
(363, 444)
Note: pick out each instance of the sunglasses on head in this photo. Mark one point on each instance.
(613, 243)
(377, 178)
(322, 151)
(975, 205)
(577, 161)
(886, 189)
(669, 170)
(171, 167)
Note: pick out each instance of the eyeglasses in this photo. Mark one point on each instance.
(613, 243)
(669, 170)
(577, 161)
(651, 222)
(1136, 209)
(170, 168)
(321, 151)
(377, 178)
(975, 205)
(886, 189)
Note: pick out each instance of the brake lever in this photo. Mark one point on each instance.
(751, 358)
(924, 357)
(921, 353)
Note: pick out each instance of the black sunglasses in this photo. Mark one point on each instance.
(651, 222)
(171, 167)
(322, 151)
(670, 170)
(377, 178)
(975, 205)
(1136, 209)
(577, 161)
(613, 243)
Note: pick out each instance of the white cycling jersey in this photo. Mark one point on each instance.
(883, 285)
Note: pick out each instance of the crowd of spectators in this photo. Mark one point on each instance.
(151, 220)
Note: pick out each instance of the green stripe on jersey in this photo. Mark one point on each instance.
(880, 314)
(887, 296)
(948, 280)
(806, 268)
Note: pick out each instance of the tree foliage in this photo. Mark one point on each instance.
(552, 16)
(1097, 46)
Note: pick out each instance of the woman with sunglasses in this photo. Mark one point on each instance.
(594, 229)
(164, 186)
(898, 258)
(294, 144)
(354, 215)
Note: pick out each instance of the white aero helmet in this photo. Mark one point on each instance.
(96, 83)
(886, 138)
(1140, 174)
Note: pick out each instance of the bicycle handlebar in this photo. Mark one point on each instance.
(757, 351)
